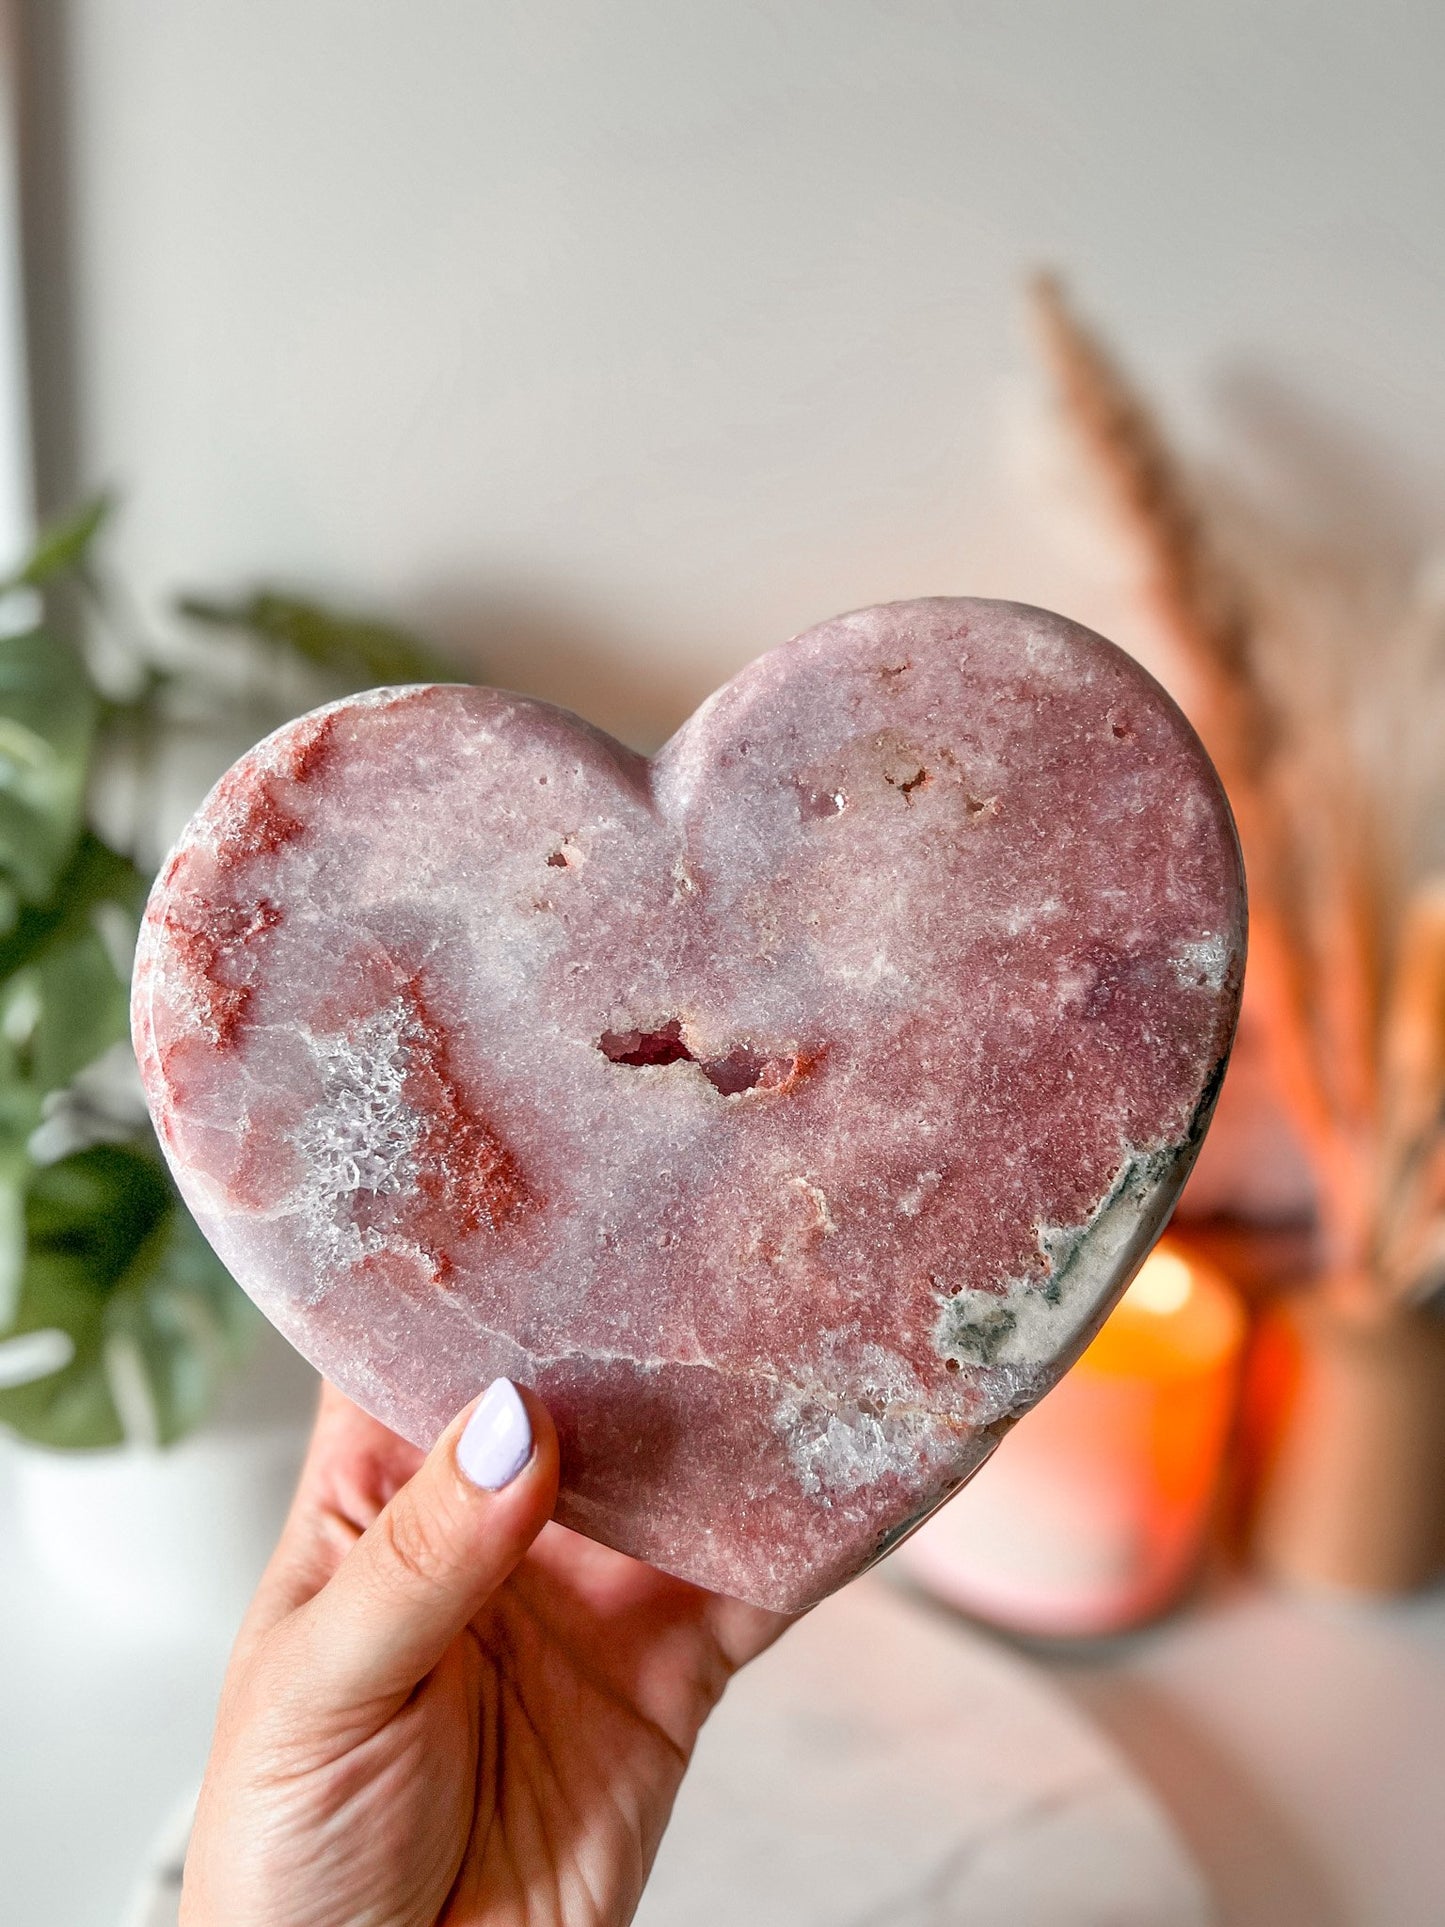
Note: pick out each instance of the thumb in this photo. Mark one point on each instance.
(435, 1555)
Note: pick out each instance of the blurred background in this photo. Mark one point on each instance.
(593, 349)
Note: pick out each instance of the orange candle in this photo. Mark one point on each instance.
(1092, 1514)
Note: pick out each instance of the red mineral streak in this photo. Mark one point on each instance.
(252, 818)
(804, 1139)
(253, 806)
(206, 943)
(211, 920)
(466, 1176)
(308, 745)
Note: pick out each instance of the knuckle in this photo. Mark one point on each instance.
(417, 1545)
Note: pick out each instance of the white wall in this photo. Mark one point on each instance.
(653, 331)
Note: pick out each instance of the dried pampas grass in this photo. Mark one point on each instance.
(1307, 682)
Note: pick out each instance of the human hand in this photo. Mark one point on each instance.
(443, 1709)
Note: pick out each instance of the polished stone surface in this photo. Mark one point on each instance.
(787, 1110)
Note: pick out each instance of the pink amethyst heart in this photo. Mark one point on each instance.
(788, 1110)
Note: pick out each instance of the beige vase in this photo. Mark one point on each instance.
(1348, 1485)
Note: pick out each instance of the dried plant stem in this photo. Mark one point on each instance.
(1322, 1047)
(1348, 988)
(1278, 985)
(1193, 595)
(1412, 1237)
(1414, 1044)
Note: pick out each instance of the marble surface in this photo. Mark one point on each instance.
(881, 1768)
(1295, 1740)
(884, 1767)
(787, 1110)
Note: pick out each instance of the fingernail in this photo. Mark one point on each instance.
(497, 1441)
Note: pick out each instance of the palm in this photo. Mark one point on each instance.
(529, 1777)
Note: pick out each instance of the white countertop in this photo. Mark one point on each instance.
(1299, 1745)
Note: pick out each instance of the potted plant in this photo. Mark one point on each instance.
(118, 1324)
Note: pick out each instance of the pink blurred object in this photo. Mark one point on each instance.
(787, 1110)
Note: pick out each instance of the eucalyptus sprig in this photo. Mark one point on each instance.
(117, 1321)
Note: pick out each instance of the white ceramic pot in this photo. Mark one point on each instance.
(173, 1536)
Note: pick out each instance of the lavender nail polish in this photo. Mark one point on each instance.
(497, 1441)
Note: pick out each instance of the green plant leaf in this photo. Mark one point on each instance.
(19, 1100)
(117, 1264)
(63, 545)
(101, 1204)
(86, 1218)
(71, 1406)
(47, 724)
(64, 996)
(96, 875)
(14, 1172)
(182, 1325)
(358, 647)
(83, 1010)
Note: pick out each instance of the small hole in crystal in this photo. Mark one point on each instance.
(741, 1070)
(557, 860)
(661, 1046)
(950, 1364)
(907, 785)
(738, 1070)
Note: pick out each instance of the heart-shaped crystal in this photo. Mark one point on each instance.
(788, 1110)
